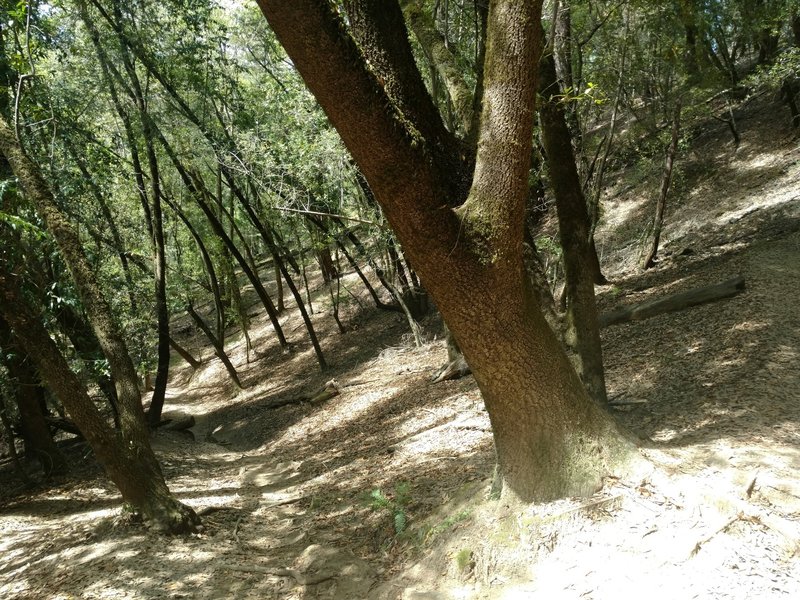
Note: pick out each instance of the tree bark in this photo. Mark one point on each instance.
(442, 59)
(219, 349)
(184, 354)
(674, 302)
(157, 230)
(796, 28)
(211, 272)
(130, 465)
(87, 348)
(551, 438)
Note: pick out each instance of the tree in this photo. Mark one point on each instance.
(126, 453)
(462, 228)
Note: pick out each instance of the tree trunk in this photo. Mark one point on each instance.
(8, 429)
(789, 91)
(87, 348)
(219, 349)
(326, 265)
(674, 302)
(211, 272)
(29, 395)
(131, 444)
(443, 60)
(131, 466)
(666, 180)
(278, 288)
(583, 333)
(184, 354)
(319, 223)
(551, 439)
(796, 28)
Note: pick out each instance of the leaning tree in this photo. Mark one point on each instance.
(125, 452)
(459, 215)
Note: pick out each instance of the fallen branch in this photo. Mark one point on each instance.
(459, 368)
(323, 394)
(675, 302)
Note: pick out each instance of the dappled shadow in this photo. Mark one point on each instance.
(280, 508)
(724, 371)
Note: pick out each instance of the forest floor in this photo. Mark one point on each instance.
(383, 490)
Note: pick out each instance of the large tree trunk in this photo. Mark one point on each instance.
(552, 440)
(148, 493)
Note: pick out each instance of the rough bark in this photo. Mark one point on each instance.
(130, 465)
(551, 439)
(440, 56)
(87, 348)
(379, 28)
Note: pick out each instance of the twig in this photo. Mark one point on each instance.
(714, 533)
(236, 530)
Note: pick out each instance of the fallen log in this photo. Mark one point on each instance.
(326, 392)
(675, 302)
(176, 421)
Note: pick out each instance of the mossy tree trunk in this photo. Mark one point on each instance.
(126, 452)
(133, 468)
(466, 243)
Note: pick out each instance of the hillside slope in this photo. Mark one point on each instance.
(382, 491)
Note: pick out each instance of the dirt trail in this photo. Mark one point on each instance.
(289, 494)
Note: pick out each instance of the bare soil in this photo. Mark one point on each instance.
(383, 491)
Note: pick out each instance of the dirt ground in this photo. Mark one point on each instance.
(383, 491)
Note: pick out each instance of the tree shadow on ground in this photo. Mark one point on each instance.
(723, 371)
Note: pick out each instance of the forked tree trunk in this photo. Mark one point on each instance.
(132, 464)
(219, 348)
(551, 439)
